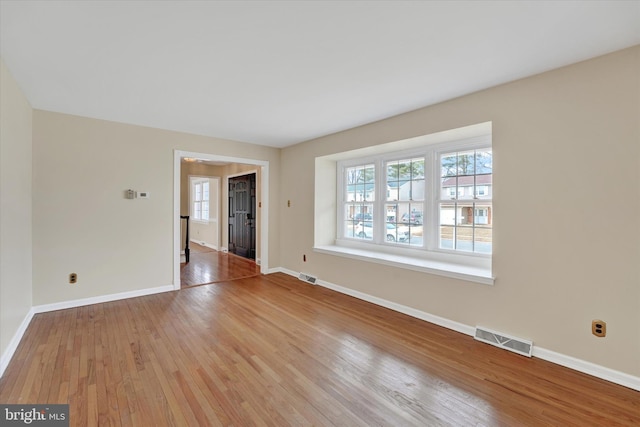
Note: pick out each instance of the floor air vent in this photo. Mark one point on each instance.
(517, 345)
(308, 278)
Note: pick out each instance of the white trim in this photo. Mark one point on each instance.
(409, 311)
(177, 222)
(570, 362)
(17, 337)
(15, 341)
(202, 243)
(100, 299)
(589, 368)
(471, 273)
(264, 210)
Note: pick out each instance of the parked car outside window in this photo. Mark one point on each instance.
(364, 230)
(362, 217)
(412, 218)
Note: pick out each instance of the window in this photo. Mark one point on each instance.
(359, 195)
(465, 220)
(436, 198)
(200, 199)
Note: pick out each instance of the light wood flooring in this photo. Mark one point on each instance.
(274, 351)
(207, 265)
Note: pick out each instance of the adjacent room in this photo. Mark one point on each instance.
(287, 213)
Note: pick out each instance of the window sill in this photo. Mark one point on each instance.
(477, 274)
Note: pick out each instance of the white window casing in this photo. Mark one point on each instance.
(432, 252)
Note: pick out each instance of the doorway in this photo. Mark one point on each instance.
(242, 215)
(259, 219)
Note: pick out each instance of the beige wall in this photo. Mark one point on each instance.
(567, 182)
(566, 239)
(83, 224)
(15, 208)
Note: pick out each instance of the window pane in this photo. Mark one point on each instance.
(466, 185)
(466, 175)
(205, 191)
(483, 232)
(484, 185)
(447, 225)
(466, 227)
(356, 214)
(350, 221)
(405, 179)
(411, 213)
(448, 165)
(391, 212)
(360, 183)
(484, 162)
(464, 238)
(198, 192)
(205, 211)
(466, 163)
(196, 210)
(405, 233)
(364, 230)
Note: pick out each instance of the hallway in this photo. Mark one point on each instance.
(207, 266)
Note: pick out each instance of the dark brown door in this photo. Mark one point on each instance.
(242, 215)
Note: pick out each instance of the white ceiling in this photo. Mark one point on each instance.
(281, 72)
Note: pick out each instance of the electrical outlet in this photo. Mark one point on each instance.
(599, 328)
(73, 278)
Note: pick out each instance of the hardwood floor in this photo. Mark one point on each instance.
(274, 351)
(207, 265)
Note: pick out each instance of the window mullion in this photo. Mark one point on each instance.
(378, 206)
(431, 228)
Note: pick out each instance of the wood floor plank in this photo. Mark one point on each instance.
(274, 351)
(210, 266)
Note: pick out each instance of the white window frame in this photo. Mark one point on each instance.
(194, 182)
(328, 229)
(430, 249)
(466, 197)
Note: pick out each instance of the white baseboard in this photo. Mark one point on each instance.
(15, 341)
(583, 366)
(203, 243)
(100, 299)
(17, 337)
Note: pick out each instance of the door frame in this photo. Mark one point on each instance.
(263, 205)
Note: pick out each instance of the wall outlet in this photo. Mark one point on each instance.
(599, 328)
(73, 278)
